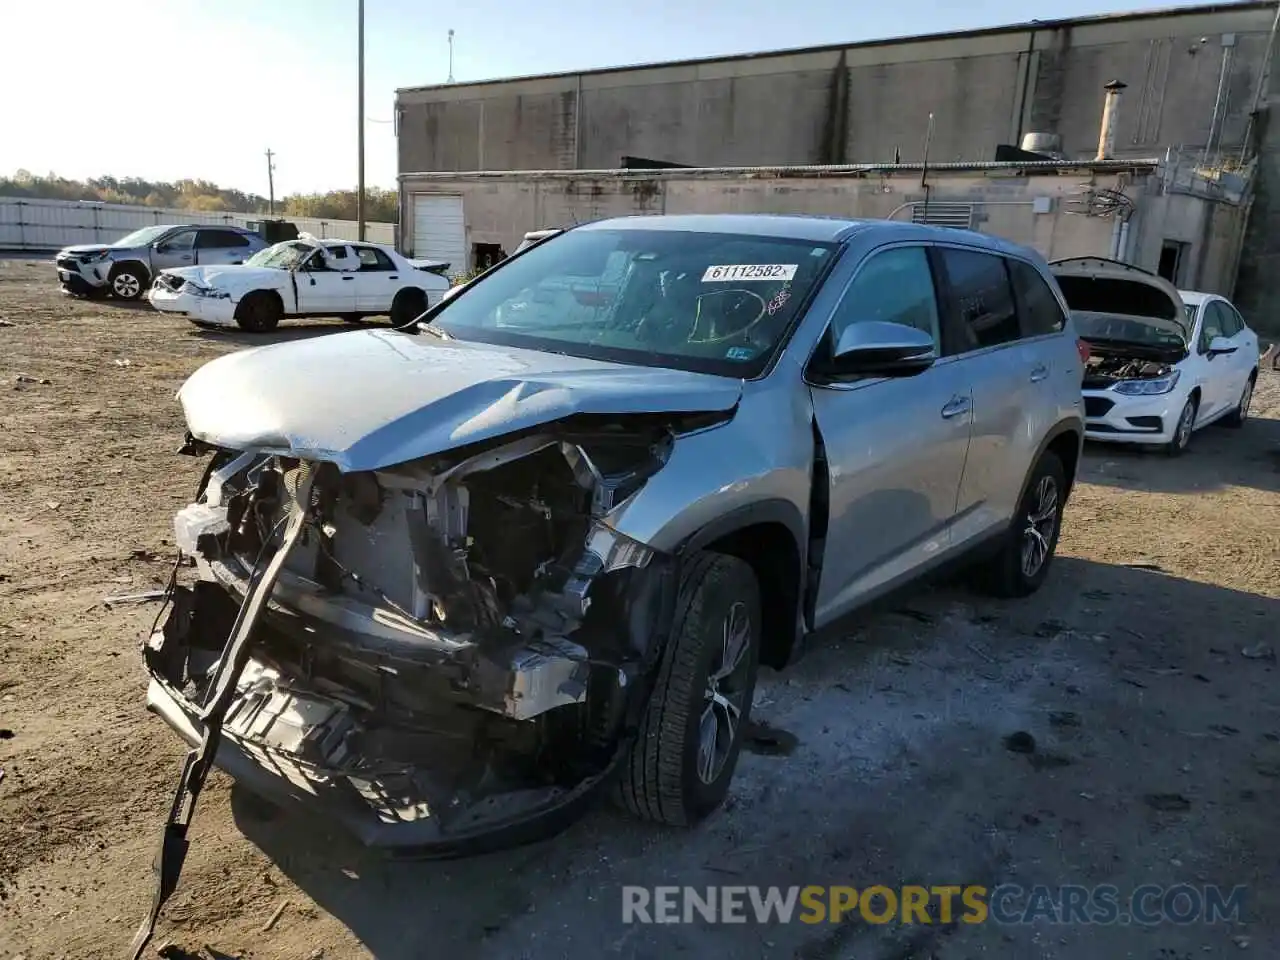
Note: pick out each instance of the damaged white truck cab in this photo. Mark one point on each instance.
(1162, 362)
(453, 578)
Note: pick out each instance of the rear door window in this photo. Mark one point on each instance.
(1038, 308)
(981, 297)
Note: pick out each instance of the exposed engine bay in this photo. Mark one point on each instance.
(1102, 370)
(449, 645)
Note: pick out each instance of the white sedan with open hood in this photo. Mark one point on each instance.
(306, 277)
(1162, 362)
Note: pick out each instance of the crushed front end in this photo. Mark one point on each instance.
(451, 654)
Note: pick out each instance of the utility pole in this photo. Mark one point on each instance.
(271, 185)
(360, 134)
(450, 80)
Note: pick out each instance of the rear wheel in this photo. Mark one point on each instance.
(407, 307)
(259, 312)
(1023, 562)
(128, 281)
(1240, 414)
(688, 744)
(1183, 429)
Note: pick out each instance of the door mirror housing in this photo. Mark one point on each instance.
(1220, 345)
(878, 348)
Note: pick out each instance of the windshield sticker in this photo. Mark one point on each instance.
(779, 301)
(749, 271)
(740, 353)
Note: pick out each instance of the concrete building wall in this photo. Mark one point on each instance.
(861, 103)
(501, 210)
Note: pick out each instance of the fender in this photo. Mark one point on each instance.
(134, 262)
(1065, 425)
(787, 626)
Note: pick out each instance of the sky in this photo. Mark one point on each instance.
(171, 89)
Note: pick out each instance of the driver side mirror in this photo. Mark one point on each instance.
(878, 348)
(1220, 345)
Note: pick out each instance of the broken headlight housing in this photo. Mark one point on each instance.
(198, 291)
(1147, 388)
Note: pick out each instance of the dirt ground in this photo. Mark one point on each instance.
(1141, 669)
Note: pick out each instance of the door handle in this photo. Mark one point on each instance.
(954, 407)
(1039, 372)
(348, 278)
(393, 277)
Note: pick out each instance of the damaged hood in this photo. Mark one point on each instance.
(228, 276)
(374, 398)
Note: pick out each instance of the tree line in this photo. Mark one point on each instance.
(380, 205)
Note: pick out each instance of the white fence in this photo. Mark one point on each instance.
(53, 224)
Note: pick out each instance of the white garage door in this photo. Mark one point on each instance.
(439, 232)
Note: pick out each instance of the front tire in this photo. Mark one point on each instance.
(1183, 429)
(1240, 414)
(407, 307)
(128, 281)
(259, 312)
(1022, 564)
(687, 748)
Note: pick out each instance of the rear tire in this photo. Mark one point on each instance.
(408, 306)
(691, 734)
(1240, 414)
(259, 312)
(1185, 426)
(1023, 562)
(128, 281)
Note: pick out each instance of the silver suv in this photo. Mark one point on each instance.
(541, 541)
(125, 268)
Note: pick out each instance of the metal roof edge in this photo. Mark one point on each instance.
(1145, 165)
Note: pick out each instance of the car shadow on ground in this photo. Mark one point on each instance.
(899, 771)
(285, 333)
(1218, 456)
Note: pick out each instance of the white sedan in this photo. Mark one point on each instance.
(1162, 362)
(306, 277)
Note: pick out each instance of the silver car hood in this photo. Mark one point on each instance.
(374, 398)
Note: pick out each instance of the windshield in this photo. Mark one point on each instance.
(140, 238)
(282, 256)
(710, 302)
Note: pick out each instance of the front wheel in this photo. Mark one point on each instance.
(128, 282)
(689, 739)
(1028, 549)
(259, 312)
(1183, 429)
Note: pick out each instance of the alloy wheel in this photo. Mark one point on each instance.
(1041, 524)
(126, 285)
(723, 700)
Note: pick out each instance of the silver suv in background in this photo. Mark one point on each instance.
(125, 268)
(541, 540)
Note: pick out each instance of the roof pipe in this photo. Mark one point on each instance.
(1110, 113)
